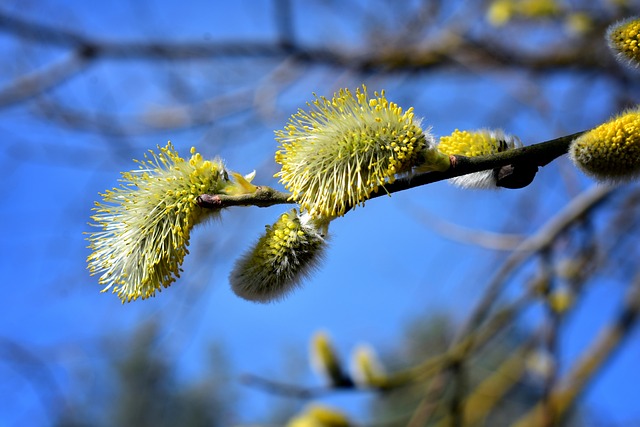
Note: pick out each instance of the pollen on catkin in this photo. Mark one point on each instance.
(288, 251)
(145, 224)
(482, 142)
(343, 149)
(623, 38)
(611, 151)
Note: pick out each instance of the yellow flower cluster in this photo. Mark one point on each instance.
(611, 151)
(623, 39)
(481, 142)
(288, 251)
(343, 149)
(501, 12)
(145, 224)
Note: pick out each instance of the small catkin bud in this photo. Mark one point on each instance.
(540, 365)
(343, 149)
(241, 184)
(145, 224)
(623, 38)
(325, 361)
(572, 269)
(561, 300)
(579, 23)
(611, 151)
(500, 12)
(316, 415)
(538, 9)
(366, 369)
(289, 250)
(481, 142)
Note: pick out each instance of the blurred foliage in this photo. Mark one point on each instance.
(144, 390)
(431, 336)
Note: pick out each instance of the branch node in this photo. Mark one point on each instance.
(209, 201)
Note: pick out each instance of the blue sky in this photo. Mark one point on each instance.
(385, 266)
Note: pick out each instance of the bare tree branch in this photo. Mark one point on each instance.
(392, 58)
(545, 236)
(30, 85)
(593, 358)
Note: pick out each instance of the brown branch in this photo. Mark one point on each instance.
(538, 155)
(543, 239)
(470, 236)
(551, 330)
(263, 197)
(593, 358)
(176, 117)
(291, 390)
(426, 370)
(533, 155)
(392, 58)
(40, 81)
(490, 392)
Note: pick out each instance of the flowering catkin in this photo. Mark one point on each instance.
(343, 149)
(611, 151)
(290, 249)
(145, 224)
(480, 142)
(623, 38)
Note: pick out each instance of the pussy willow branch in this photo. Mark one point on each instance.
(292, 390)
(542, 240)
(591, 361)
(493, 389)
(262, 197)
(533, 155)
(422, 372)
(395, 58)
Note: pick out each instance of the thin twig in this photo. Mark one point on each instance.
(479, 403)
(471, 236)
(426, 370)
(32, 84)
(392, 59)
(290, 390)
(552, 324)
(546, 235)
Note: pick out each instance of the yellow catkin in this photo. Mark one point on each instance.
(343, 149)
(482, 142)
(611, 151)
(290, 249)
(623, 38)
(144, 225)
